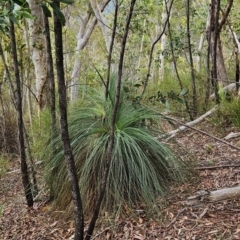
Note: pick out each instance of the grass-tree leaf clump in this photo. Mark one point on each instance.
(142, 168)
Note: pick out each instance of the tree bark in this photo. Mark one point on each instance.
(18, 101)
(177, 73)
(50, 73)
(88, 24)
(101, 22)
(72, 172)
(213, 36)
(204, 197)
(38, 52)
(194, 91)
(166, 5)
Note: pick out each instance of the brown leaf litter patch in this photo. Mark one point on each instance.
(218, 167)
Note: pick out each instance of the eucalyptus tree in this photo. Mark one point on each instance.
(215, 24)
(88, 23)
(193, 79)
(71, 167)
(18, 104)
(38, 52)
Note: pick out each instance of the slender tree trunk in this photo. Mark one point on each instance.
(215, 41)
(166, 9)
(176, 71)
(37, 39)
(141, 45)
(213, 36)
(72, 172)
(237, 62)
(111, 50)
(3, 123)
(88, 24)
(50, 73)
(18, 102)
(199, 57)
(29, 74)
(101, 22)
(194, 91)
(156, 40)
(113, 122)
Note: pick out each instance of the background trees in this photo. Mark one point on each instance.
(176, 54)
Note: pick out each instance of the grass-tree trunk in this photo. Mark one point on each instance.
(71, 167)
(113, 122)
(18, 102)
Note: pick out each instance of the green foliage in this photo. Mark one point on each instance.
(230, 111)
(40, 132)
(142, 168)
(4, 164)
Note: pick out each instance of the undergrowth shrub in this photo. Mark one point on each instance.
(8, 129)
(230, 111)
(169, 95)
(142, 168)
(40, 133)
(4, 164)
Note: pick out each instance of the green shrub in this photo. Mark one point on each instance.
(230, 111)
(4, 165)
(142, 168)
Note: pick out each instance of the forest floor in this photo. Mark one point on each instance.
(220, 221)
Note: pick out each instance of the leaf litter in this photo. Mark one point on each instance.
(220, 220)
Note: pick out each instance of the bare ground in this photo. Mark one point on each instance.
(220, 221)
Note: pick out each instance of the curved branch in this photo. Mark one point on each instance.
(225, 15)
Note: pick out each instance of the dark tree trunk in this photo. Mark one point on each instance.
(213, 36)
(215, 42)
(72, 172)
(18, 102)
(237, 75)
(194, 92)
(50, 74)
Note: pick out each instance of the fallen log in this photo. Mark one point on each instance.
(203, 168)
(232, 135)
(192, 123)
(203, 197)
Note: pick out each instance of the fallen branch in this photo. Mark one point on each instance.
(175, 219)
(215, 167)
(189, 124)
(232, 135)
(203, 197)
(200, 131)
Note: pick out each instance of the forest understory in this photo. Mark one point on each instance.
(217, 167)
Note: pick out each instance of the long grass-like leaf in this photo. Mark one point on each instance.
(141, 169)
